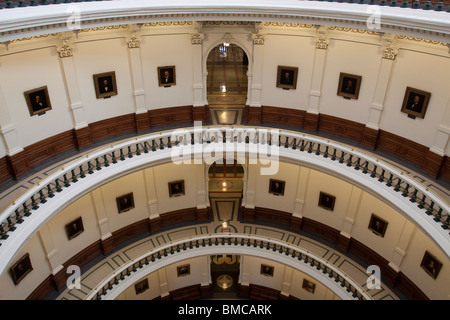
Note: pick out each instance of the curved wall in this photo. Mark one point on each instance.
(78, 118)
(400, 250)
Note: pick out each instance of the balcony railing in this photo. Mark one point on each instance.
(428, 205)
(232, 243)
(437, 5)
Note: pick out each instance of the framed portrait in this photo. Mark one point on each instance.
(183, 270)
(125, 202)
(267, 270)
(415, 102)
(166, 76)
(431, 265)
(287, 77)
(326, 201)
(349, 85)
(38, 101)
(21, 268)
(176, 188)
(276, 187)
(105, 84)
(74, 228)
(141, 286)
(378, 225)
(308, 286)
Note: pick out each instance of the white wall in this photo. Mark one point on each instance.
(32, 63)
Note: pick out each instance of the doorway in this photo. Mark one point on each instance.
(227, 83)
(225, 276)
(225, 192)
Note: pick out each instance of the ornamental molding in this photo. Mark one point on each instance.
(133, 37)
(388, 46)
(197, 36)
(65, 45)
(322, 39)
(258, 38)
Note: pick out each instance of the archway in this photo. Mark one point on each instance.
(227, 83)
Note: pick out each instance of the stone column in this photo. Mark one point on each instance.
(312, 114)
(354, 202)
(65, 50)
(200, 110)
(254, 109)
(302, 185)
(389, 49)
(399, 252)
(133, 40)
(106, 238)
(152, 201)
(435, 157)
(57, 269)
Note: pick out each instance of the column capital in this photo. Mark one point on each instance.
(65, 44)
(388, 45)
(258, 38)
(133, 37)
(322, 39)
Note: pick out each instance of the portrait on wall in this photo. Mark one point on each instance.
(415, 102)
(105, 84)
(326, 201)
(125, 202)
(176, 188)
(431, 265)
(166, 76)
(75, 228)
(141, 286)
(276, 187)
(378, 225)
(287, 77)
(38, 101)
(308, 286)
(349, 85)
(267, 270)
(21, 268)
(183, 270)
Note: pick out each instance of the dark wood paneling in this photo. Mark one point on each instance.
(248, 214)
(170, 116)
(134, 229)
(203, 214)
(433, 163)
(404, 148)
(142, 122)
(18, 164)
(187, 293)
(5, 172)
(410, 289)
(445, 173)
(200, 114)
(311, 122)
(258, 292)
(253, 115)
(283, 116)
(369, 138)
(113, 126)
(274, 216)
(178, 216)
(342, 127)
(320, 229)
(82, 137)
(43, 290)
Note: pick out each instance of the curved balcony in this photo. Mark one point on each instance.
(300, 259)
(21, 219)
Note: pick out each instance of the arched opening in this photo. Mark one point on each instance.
(227, 83)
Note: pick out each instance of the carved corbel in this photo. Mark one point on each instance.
(322, 39)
